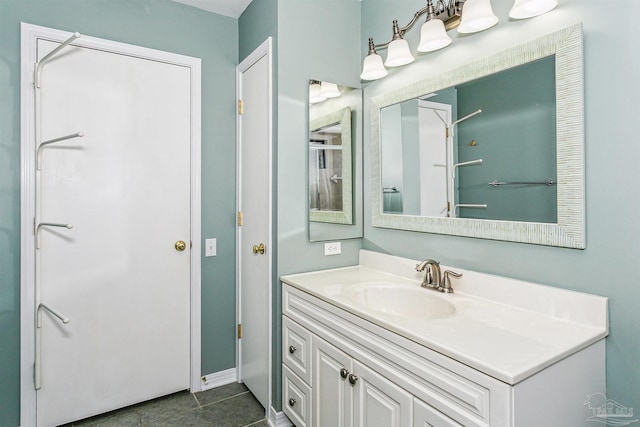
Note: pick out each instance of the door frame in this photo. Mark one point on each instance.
(29, 37)
(262, 51)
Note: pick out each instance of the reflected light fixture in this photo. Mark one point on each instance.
(468, 16)
(314, 92)
(321, 91)
(329, 90)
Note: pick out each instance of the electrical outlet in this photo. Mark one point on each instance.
(333, 248)
(210, 247)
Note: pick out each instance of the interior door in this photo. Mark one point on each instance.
(118, 274)
(254, 234)
(434, 194)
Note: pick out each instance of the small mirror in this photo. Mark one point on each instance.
(334, 147)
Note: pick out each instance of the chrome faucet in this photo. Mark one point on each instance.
(431, 270)
(433, 278)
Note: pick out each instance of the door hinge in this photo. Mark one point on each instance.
(239, 331)
(239, 219)
(240, 107)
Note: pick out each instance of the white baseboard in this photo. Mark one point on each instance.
(219, 378)
(278, 419)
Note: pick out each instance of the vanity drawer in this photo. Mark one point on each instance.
(296, 348)
(296, 398)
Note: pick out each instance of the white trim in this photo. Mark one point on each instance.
(218, 379)
(29, 36)
(264, 50)
(278, 419)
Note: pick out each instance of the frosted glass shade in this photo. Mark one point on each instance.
(523, 9)
(373, 69)
(314, 94)
(433, 36)
(398, 54)
(329, 90)
(477, 15)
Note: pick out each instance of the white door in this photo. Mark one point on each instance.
(254, 233)
(116, 275)
(434, 195)
(378, 402)
(332, 393)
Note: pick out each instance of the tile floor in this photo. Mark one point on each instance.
(231, 405)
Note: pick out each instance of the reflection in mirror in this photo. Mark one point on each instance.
(334, 149)
(482, 149)
(325, 165)
(493, 149)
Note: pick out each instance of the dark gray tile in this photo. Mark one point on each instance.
(172, 418)
(237, 411)
(219, 393)
(263, 423)
(121, 418)
(181, 400)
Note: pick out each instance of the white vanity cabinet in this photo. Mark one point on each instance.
(342, 370)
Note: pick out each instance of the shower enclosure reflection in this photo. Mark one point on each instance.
(330, 196)
(325, 168)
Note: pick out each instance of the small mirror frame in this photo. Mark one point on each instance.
(569, 231)
(345, 216)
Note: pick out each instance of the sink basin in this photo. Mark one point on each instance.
(400, 300)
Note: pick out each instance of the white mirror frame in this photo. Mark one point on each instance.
(345, 216)
(569, 231)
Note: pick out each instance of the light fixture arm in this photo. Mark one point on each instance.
(448, 13)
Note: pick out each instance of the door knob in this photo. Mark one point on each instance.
(292, 401)
(180, 245)
(258, 248)
(353, 379)
(292, 349)
(344, 373)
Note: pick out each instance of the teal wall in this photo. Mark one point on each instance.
(320, 40)
(516, 138)
(158, 24)
(609, 264)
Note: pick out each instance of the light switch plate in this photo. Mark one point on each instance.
(333, 248)
(210, 248)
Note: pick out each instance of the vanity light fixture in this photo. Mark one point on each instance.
(523, 9)
(468, 16)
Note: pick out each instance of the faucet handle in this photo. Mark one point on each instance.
(446, 281)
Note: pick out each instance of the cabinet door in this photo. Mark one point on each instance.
(331, 391)
(378, 402)
(426, 416)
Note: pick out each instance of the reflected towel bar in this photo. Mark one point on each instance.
(548, 183)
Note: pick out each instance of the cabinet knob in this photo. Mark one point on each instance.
(353, 379)
(292, 349)
(344, 373)
(292, 401)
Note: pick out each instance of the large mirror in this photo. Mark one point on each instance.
(334, 147)
(492, 150)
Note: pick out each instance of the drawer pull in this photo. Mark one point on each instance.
(353, 379)
(292, 401)
(292, 349)
(344, 373)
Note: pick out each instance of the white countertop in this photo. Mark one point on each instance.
(505, 328)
